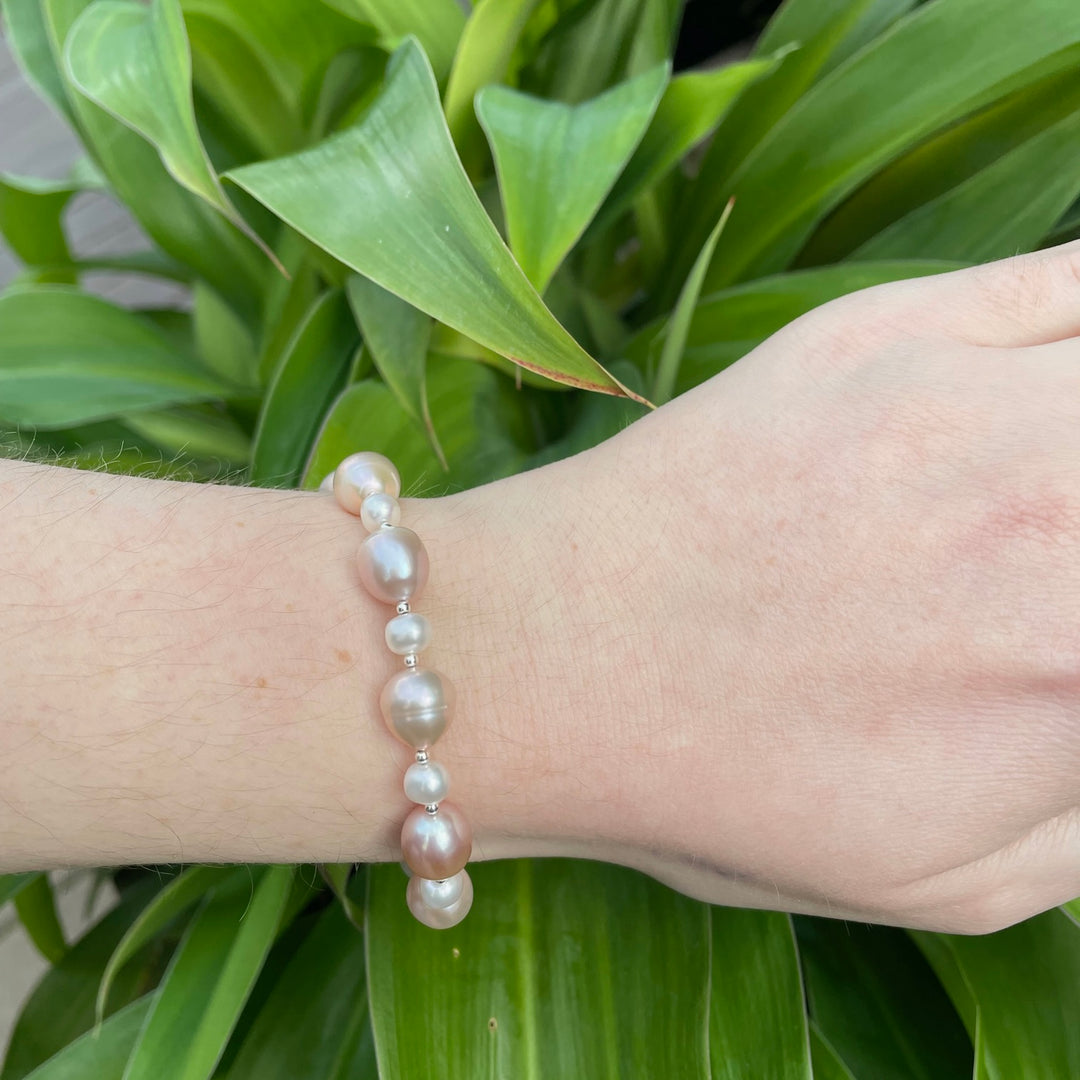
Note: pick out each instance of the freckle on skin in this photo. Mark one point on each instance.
(239, 524)
(289, 607)
(780, 524)
(344, 656)
(260, 681)
(771, 560)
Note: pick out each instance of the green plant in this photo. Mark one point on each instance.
(332, 179)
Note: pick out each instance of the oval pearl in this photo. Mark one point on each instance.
(327, 482)
(361, 475)
(393, 564)
(378, 510)
(441, 894)
(427, 782)
(416, 705)
(439, 918)
(436, 845)
(408, 633)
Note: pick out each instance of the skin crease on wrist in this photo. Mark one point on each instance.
(803, 638)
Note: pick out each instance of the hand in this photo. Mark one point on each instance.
(808, 637)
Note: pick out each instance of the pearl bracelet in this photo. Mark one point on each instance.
(436, 839)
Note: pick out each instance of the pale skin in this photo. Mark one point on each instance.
(808, 637)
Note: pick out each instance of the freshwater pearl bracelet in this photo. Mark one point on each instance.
(436, 839)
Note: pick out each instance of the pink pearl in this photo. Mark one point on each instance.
(436, 845)
(364, 474)
(439, 918)
(393, 564)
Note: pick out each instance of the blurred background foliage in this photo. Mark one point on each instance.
(478, 238)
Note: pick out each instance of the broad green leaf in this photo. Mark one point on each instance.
(349, 84)
(757, 1014)
(134, 62)
(228, 69)
(36, 908)
(474, 410)
(599, 43)
(1072, 911)
(563, 968)
(1025, 982)
(182, 224)
(31, 218)
(209, 979)
(288, 43)
(879, 1005)
(337, 876)
(100, 1054)
(223, 340)
(204, 432)
(311, 373)
(947, 161)
(436, 24)
(673, 343)
(61, 1007)
(691, 107)
(938, 63)
(287, 302)
(443, 254)
(176, 897)
(1068, 228)
(26, 32)
(556, 162)
(396, 336)
(483, 56)
(730, 323)
(12, 884)
(826, 1061)
(1004, 209)
(314, 1023)
(66, 357)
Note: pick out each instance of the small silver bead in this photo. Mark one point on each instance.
(432, 807)
(403, 608)
(410, 660)
(422, 757)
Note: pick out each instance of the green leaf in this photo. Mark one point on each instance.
(944, 163)
(181, 223)
(938, 63)
(757, 1015)
(472, 407)
(209, 979)
(443, 255)
(197, 431)
(879, 1005)
(1025, 982)
(61, 1006)
(436, 24)
(134, 61)
(311, 373)
(1072, 911)
(31, 218)
(100, 1054)
(314, 1023)
(730, 323)
(175, 898)
(691, 107)
(223, 340)
(678, 325)
(12, 884)
(26, 32)
(66, 357)
(337, 876)
(612, 961)
(396, 336)
(36, 908)
(556, 162)
(826, 1061)
(483, 56)
(1004, 209)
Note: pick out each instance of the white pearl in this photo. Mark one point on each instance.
(416, 704)
(393, 564)
(441, 894)
(361, 475)
(427, 782)
(408, 633)
(439, 918)
(379, 509)
(327, 482)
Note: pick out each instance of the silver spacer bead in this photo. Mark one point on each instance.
(403, 607)
(432, 807)
(422, 757)
(410, 660)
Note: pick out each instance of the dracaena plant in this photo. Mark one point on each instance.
(478, 238)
